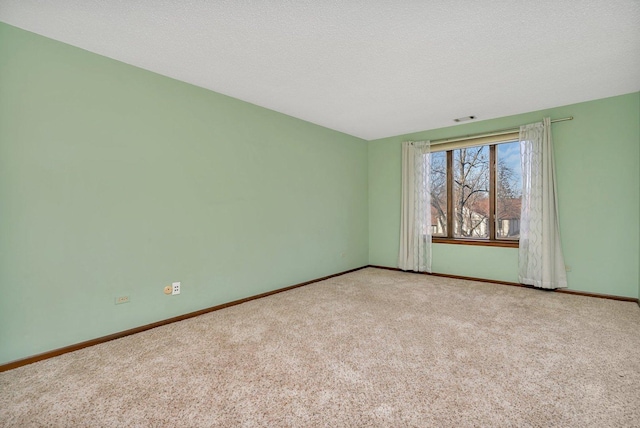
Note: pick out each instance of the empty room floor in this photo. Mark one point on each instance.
(368, 348)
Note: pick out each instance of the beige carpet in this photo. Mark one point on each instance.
(370, 348)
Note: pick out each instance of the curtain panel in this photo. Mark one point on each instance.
(415, 222)
(541, 262)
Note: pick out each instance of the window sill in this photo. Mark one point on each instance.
(484, 243)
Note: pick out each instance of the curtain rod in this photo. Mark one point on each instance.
(488, 134)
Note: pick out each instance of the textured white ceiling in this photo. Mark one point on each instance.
(368, 68)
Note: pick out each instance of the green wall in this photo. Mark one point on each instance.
(117, 181)
(597, 161)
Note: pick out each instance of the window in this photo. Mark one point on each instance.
(476, 192)
(508, 190)
(439, 193)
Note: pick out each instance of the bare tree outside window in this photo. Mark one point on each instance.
(439, 193)
(471, 192)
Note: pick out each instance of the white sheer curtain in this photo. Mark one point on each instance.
(541, 262)
(415, 223)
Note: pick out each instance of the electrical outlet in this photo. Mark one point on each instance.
(175, 288)
(122, 299)
(168, 289)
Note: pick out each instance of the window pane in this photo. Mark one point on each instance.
(471, 192)
(439, 194)
(509, 191)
